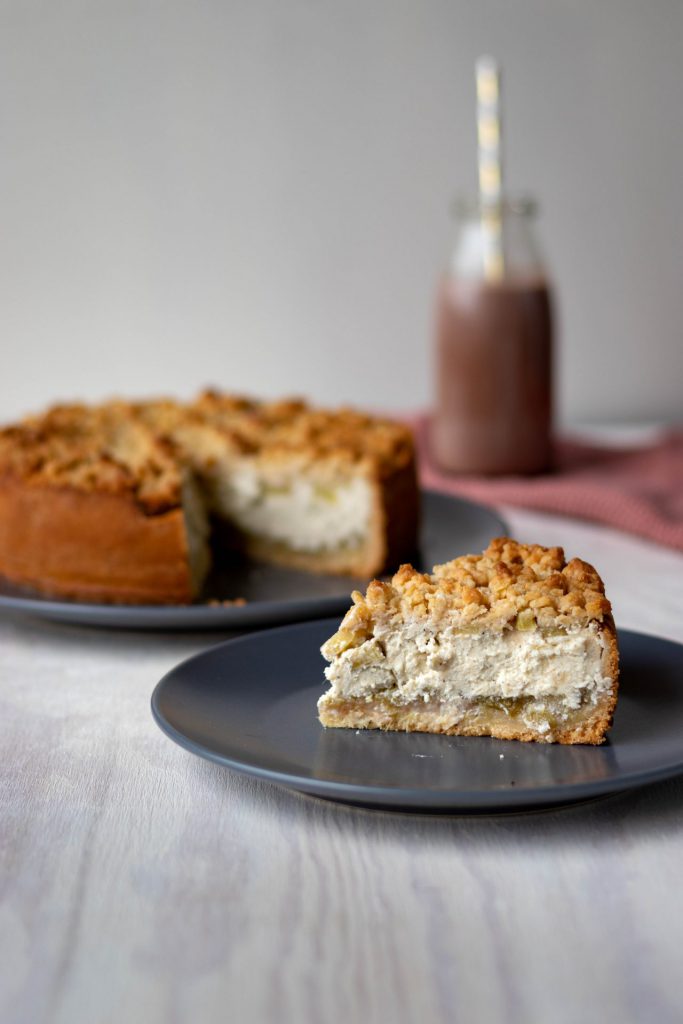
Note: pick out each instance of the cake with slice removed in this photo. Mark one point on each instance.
(115, 502)
(515, 643)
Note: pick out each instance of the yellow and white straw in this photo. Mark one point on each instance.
(489, 138)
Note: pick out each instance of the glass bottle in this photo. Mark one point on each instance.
(493, 411)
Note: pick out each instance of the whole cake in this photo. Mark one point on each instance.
(115, 502)
(515, 643)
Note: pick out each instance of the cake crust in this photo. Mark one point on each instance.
(489, 590)
(92, 546)
(94, 450)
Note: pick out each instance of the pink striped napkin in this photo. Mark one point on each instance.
(639, 490)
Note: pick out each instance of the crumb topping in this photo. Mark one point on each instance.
(282, 428)
(100, 449)
(140, 448)
(522, 586)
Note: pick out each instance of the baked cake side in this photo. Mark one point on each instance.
(515, 643)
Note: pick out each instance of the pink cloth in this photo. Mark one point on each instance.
(639, 490)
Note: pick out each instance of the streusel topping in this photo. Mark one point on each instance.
(100, 449)
(281, 428)
(141, 447)
(508, 585)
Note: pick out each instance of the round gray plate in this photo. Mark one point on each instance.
(450, 526)
(250, 704)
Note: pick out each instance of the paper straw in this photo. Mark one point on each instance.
(489, 139)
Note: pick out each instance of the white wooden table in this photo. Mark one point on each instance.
(141, 884)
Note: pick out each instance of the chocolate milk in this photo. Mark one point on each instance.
(493, 362)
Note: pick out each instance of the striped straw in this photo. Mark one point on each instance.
(490, 166)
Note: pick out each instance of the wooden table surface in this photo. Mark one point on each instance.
(141, 884)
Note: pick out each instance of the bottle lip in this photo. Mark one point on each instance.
(475, 206)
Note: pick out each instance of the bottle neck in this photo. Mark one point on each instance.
(496, 244)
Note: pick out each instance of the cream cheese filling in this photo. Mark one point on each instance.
(303, 512)
(415, 663)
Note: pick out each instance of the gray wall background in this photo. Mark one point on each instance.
(255, 194)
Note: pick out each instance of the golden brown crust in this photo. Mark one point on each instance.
(277, 429)
(101, 450)
(486, 591)
(120, 446)
(610, 669)
(93, 547)
(397, 513)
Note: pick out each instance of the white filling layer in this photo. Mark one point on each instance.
(414, 664)
(299, 511)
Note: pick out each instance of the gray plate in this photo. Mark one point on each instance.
(250, 704)
(450, 526)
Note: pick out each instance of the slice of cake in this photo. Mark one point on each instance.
(113, 502)
(515, 643)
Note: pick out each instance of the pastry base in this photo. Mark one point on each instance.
(585, 725)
